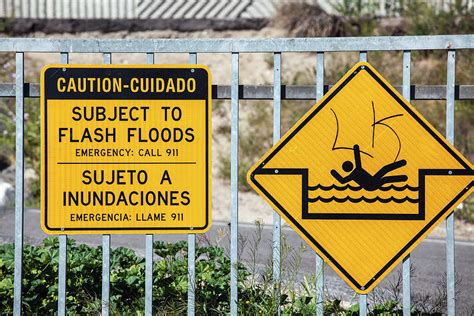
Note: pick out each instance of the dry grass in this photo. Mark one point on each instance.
(309, 20)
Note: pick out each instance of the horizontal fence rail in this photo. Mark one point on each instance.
(341, 44)
(236, 92)
(296, 92)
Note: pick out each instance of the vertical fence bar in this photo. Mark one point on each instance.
(450, 270)
(19, 170)
(363, 297)
(276, 137)
(149, 274)
(62, 271)
(319, 260)
(192, 248)
(363, 305)
(150, 59)
(106, 248)
(407, 260)
(234, 183)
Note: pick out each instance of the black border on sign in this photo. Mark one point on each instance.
(118, 229)
(260, 170)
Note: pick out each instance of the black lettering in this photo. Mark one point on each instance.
(166, 108)
(129, 133)
(77, 111)
(189, 135)
(185, 198)
(165, 177)
(100, 113)
(177, 135)
(176, 113)
(166, 135)
(61, 134)
(86, 177)
(174, 198)
(142, 177)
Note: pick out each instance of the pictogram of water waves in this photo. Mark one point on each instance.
(349, 187)
(358, 188)
(363, 199)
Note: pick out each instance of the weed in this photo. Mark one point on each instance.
(424, 18)
(257, 295)
(466, 211)
(361, 16)
(302, 19)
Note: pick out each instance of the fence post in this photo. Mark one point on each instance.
(234, 184)
(106, 248)
(150, 59)
(192, 248)
(450, 269)
(276, 216)
(363, 297)
(319, 260)
(19, 200)
(406, 261)
(62, 271)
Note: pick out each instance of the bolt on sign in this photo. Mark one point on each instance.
(363, 177)
(125, 149)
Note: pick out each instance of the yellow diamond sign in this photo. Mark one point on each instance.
(363, 177)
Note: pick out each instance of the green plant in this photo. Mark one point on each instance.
(361, 15)
(7, 113)
(261, 296)
(466, 211)
(355, 8)
(7, 126)
(257, 295)
(302, 19)
(425, 19)
(126, 278)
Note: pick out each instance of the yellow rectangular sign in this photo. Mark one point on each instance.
(125, 149)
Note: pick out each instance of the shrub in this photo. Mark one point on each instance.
(40, 266)
(257, 294)
(309, 20)
(425, 19)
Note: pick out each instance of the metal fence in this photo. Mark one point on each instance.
(235, 92)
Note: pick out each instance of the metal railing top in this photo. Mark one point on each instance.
(375, 43)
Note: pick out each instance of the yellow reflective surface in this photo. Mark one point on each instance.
(363, 177)
(125, 165)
